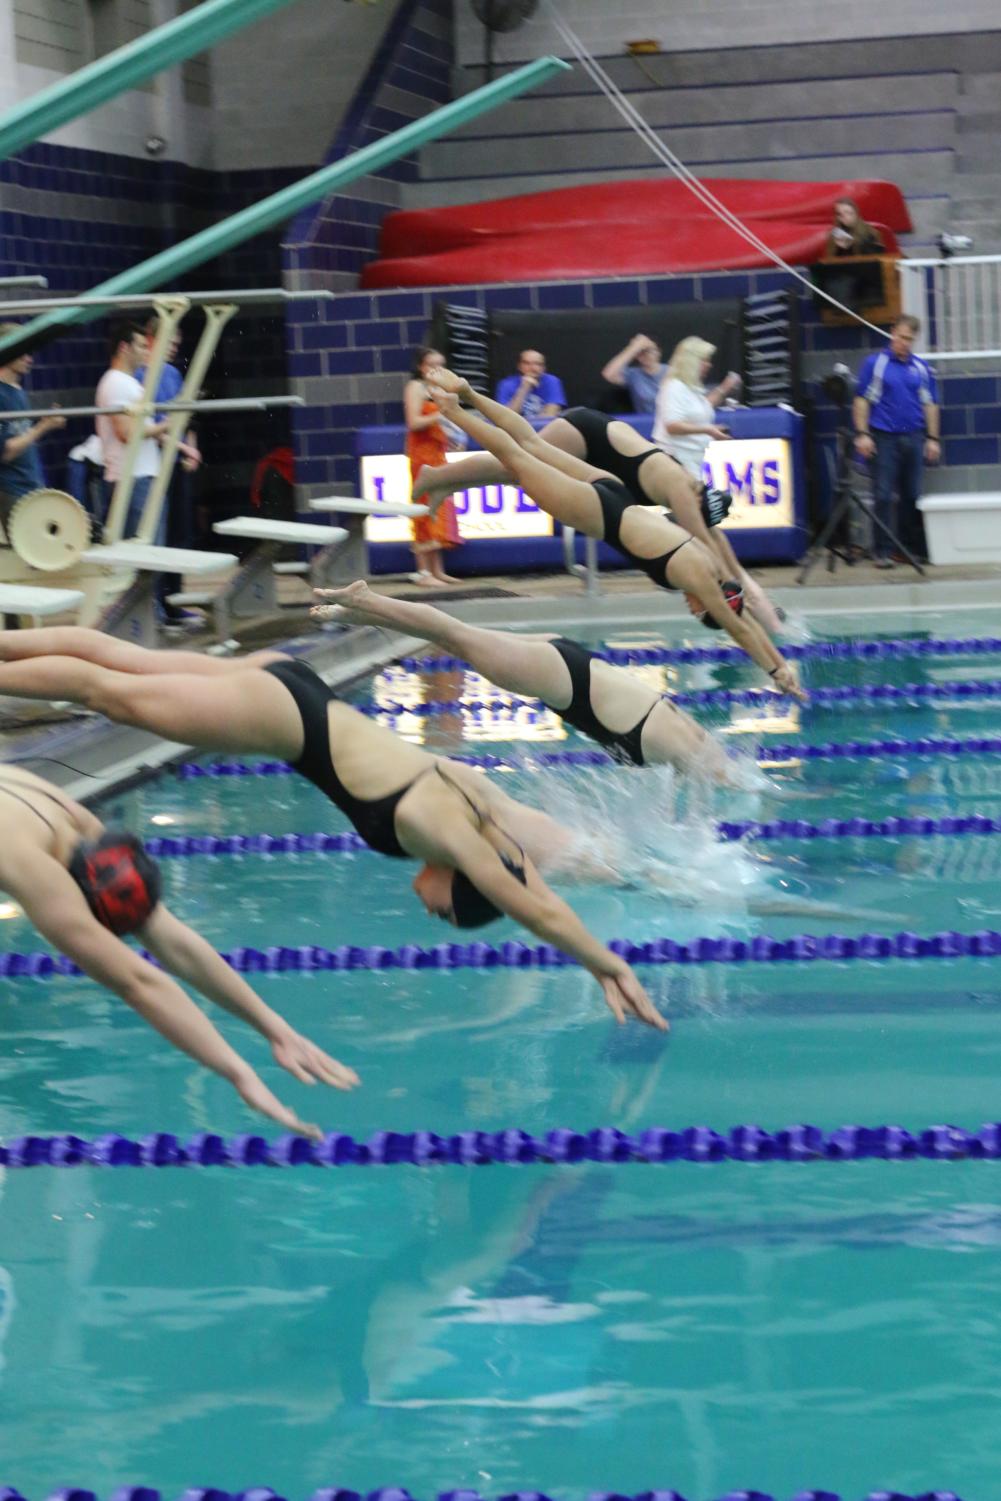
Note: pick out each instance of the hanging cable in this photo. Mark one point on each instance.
(646, 133)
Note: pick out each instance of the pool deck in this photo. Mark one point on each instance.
(101, 757)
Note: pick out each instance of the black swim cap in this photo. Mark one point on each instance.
(470, 908)
(735, 599)
(716, 505)
(120, 881)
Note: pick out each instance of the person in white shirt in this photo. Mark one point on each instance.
(118, 386)
(685, 422)
(684, 425)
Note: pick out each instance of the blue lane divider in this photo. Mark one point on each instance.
(397, 1493)
(513, 1147)
(926, 745)
(178, 846)
(860, 649)
(883, 695)
(308, 958)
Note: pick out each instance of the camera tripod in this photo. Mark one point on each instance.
(843, 499)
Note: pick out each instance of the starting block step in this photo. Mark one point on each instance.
(24, 599)
(260, 529)
(144, 557)
(352, 506)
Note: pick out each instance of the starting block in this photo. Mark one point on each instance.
(251, 590)
(353, 558)
(21, 601)
(133, 615)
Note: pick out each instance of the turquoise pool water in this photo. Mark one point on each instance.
(569, 1329)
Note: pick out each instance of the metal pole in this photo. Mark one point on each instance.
(223, 404)
(23, 281)
(195, 31)
(251, 297)
(281, 206)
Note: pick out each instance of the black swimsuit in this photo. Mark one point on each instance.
(598, 450)
(373, 817)
(615, 500)
(593, 428)
(625, 745)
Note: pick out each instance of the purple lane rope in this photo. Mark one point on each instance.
(179, 846)
(926, 745)
(398, 1493)
(877, 695)
(857, 650)
(513, 1147)
(985, 943)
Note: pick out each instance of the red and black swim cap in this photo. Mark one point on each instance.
(120, 881)
(735, 599)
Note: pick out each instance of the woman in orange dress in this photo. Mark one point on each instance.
(427, 443)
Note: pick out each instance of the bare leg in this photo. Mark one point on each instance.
(249, 712)
(436, 483)
(519, 664)
(121, 656)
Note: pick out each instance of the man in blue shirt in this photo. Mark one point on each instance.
(897, 426)
(20, 465)
(532, 392)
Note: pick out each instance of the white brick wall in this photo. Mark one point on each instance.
(688, 25)
(50, 33)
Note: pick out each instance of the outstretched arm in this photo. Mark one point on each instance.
(546, 915)
(54, 903)
(692, 571)
(188, 956)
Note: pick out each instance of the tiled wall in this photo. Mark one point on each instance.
(410, 75)
(691, 25)
(79, 217)
(357, 353)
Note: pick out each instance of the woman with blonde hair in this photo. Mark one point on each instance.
(684, 426)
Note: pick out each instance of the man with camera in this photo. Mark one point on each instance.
(896, 417)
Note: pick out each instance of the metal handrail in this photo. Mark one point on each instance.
(222, 404)
(247, 297)
(958, 302)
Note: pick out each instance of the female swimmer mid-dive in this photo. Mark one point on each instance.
(593, 501)
(84, 886)
(638, 725)
(653, 478)
(479, 846)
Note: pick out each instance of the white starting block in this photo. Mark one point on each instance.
(133, 615)
(353, 558)
(18, 601)
(963, 528)
(251, 590)
(351, 506)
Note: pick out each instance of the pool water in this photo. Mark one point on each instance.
(567, 1329)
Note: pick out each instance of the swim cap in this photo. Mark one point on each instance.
(120, 881)
(470, 908)
(716, 505)
(734, 598)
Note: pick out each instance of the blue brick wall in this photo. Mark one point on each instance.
(360, 352)
(343, 233)
(80, 217)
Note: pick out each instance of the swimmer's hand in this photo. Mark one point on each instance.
(310, 1064)
(255, 1093)
(786, 681)
(625, 996)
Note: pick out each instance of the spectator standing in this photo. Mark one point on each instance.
(640, 368)
(686, 422)
(180, 530)
(533, 391)
(118, 386)
(20, 462)
(427, 443)
(896, 418)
